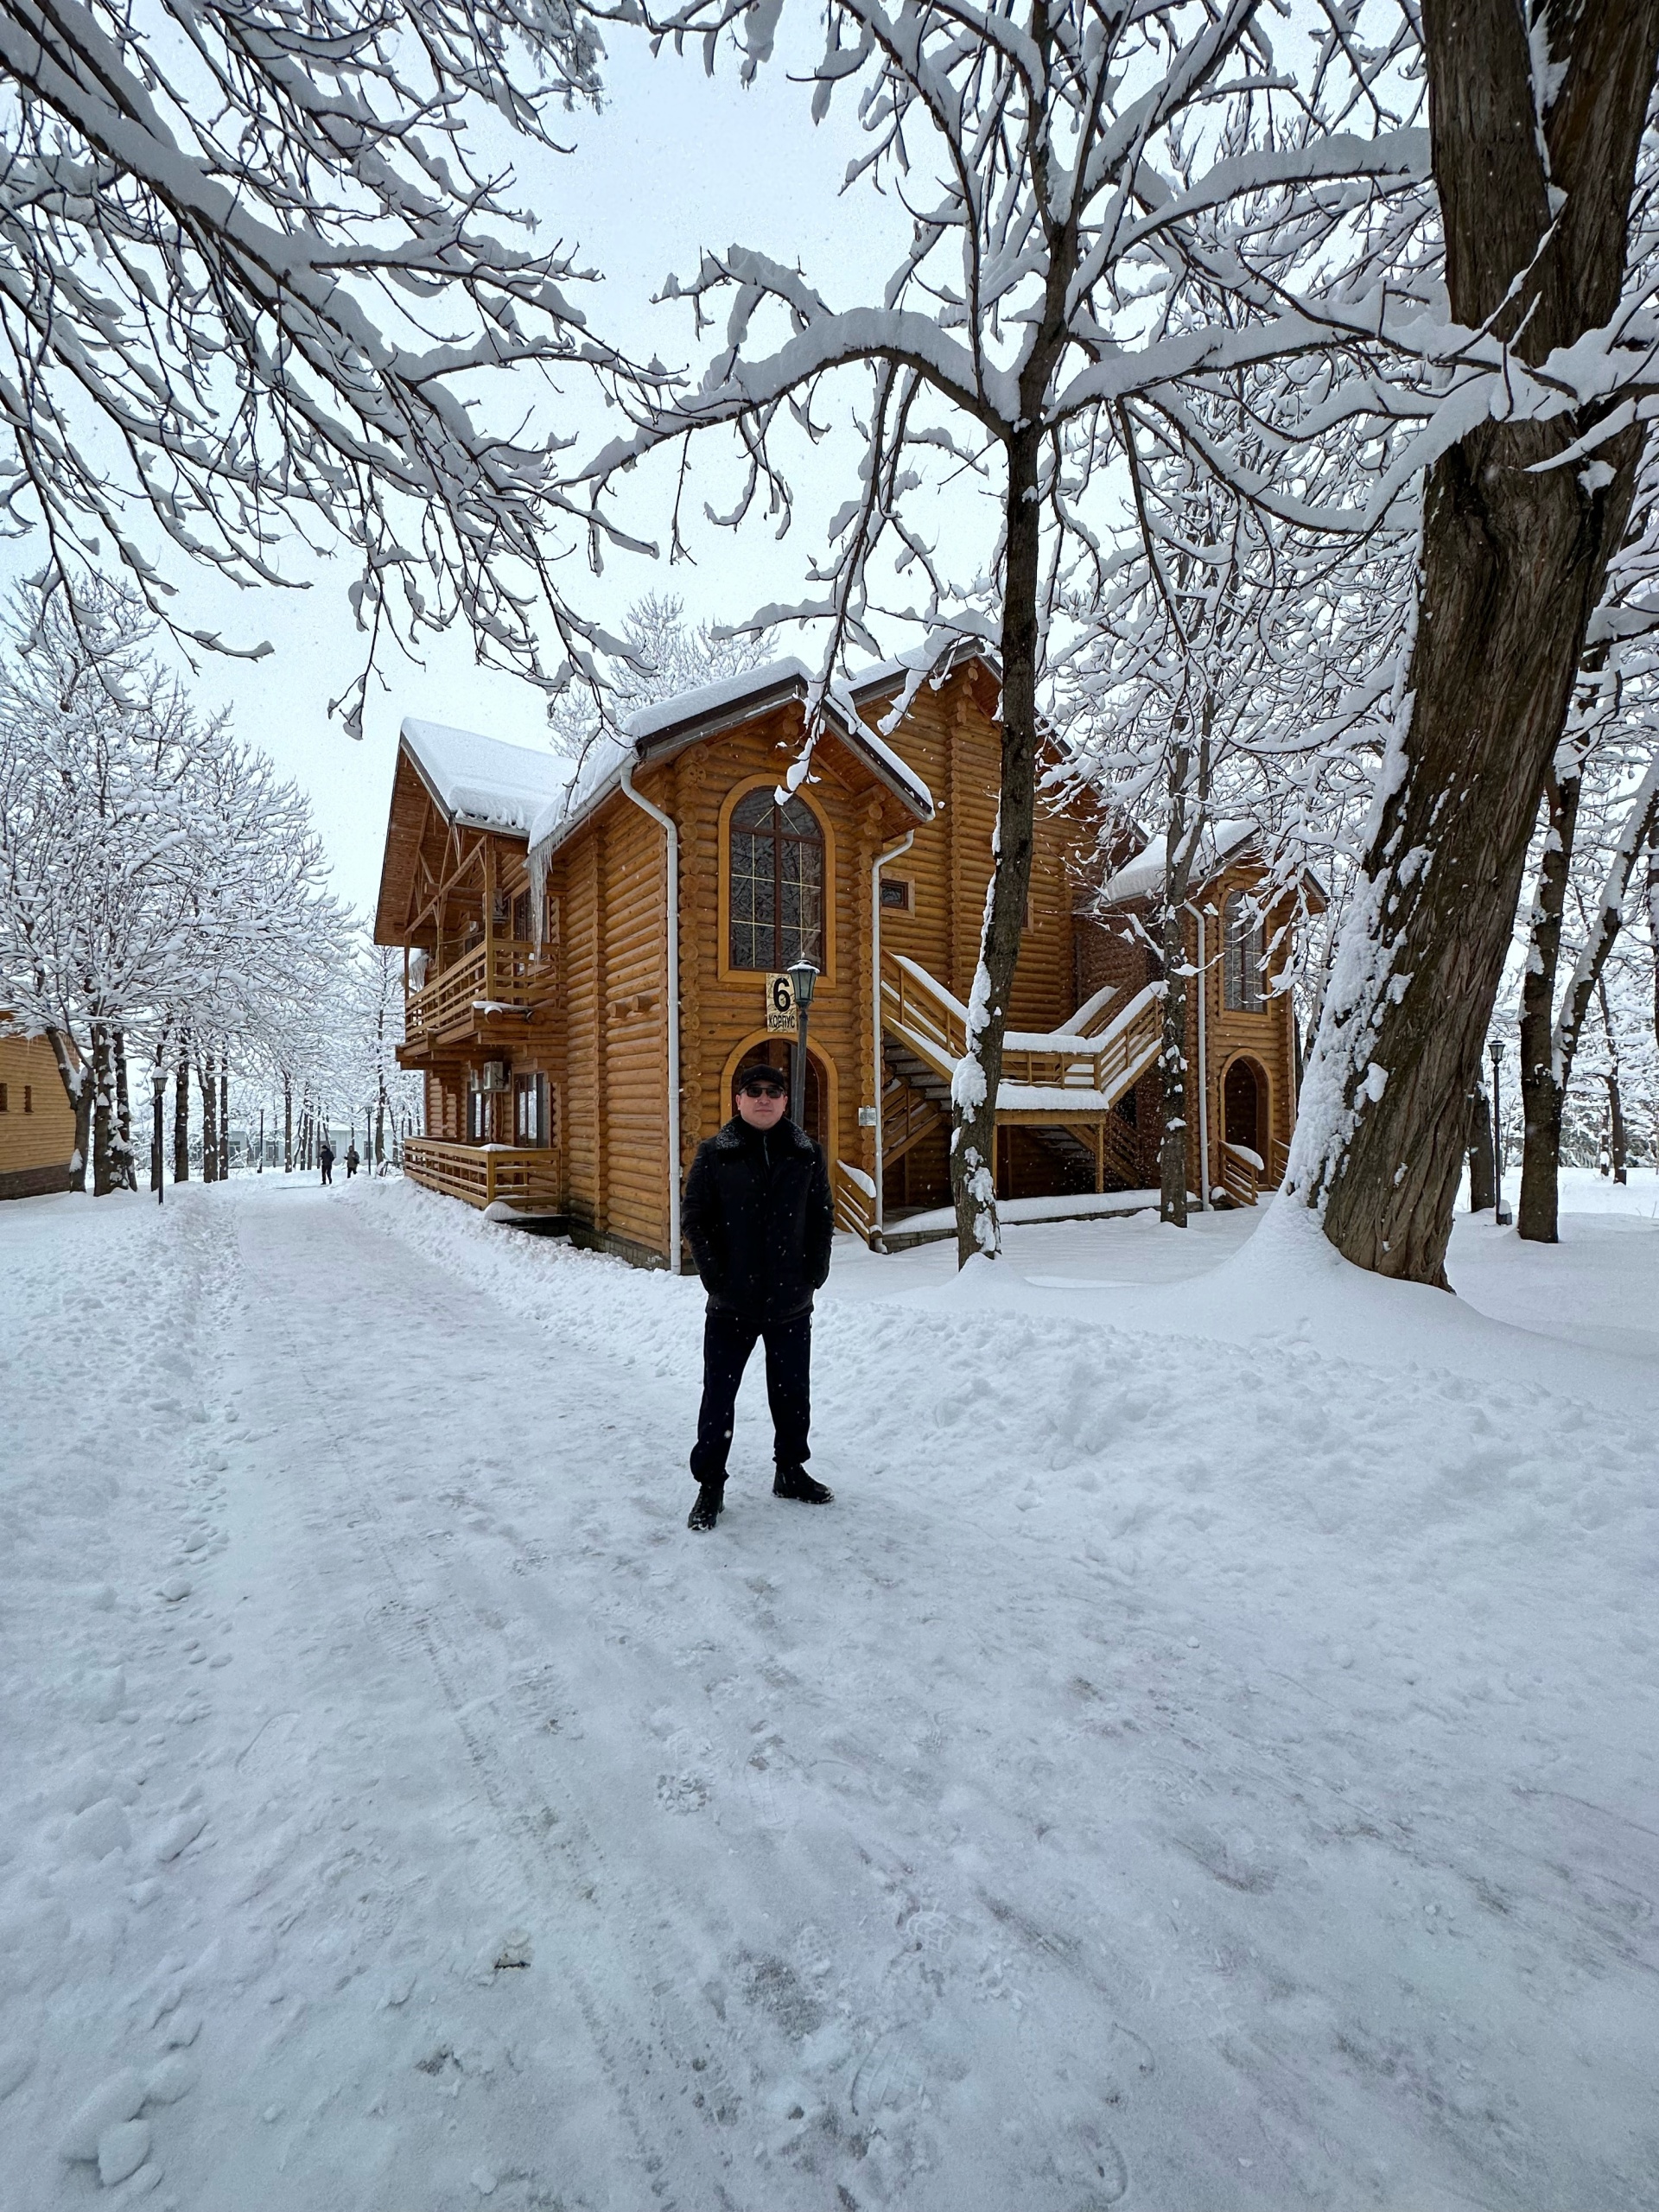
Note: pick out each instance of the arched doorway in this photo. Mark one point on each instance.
(1244, 1107)
(774, 1053)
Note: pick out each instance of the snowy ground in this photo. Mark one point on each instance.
(1204, 1760)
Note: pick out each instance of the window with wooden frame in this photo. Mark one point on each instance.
(776, 855)
(531, 1120)
(898, 896)
(479, 1117)
(29, 1098)
(1242, 957)
(5, 1102)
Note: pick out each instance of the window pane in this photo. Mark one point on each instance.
(753, 895)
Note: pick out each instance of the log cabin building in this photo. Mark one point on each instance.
(590, 958)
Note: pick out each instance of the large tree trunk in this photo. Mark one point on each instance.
(1180, 843)
(182, 1115)
(1618, 1144)
(1543, 1089)
(1483, 1167)
(126, 1168)
(209, 1091)
(973, 1141)
(104, 1128)
(1515, 553)
(224, 1119)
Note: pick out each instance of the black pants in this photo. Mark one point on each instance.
(728, 1340)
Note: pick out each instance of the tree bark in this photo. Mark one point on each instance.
(1483, 1171)
(209, 1119)
(1618, 1144)
(103, 1122)
(224, 1119)
(1179, 841)
(182, 1115)
(1515, 554)
(125, 1167)
(1543, 1088)
(288, 1125)
(973, 1141)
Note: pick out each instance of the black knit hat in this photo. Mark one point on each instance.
(763, 1078)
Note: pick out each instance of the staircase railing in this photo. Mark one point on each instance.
(855, 1200)
(907, 1113)
(934, 1024)
(1241, 1173)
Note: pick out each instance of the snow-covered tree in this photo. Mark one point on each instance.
(161, 886)
(257, 273)
(1536, 118)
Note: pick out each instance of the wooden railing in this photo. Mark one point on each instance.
(908, 1115)
(855, 1199)
(1241, 1173)
(528, 1178)
(501, 973)
(1278, 1164)
(1121, 1148)
(935, 1024)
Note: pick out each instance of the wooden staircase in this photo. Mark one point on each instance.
(1055, 1076)
(1063, 1085)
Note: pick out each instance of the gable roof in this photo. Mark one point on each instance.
(483, 781)
(668, 726)
(1143, 876)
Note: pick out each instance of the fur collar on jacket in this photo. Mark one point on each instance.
(732, 1137)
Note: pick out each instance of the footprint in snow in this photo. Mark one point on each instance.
(681, 1792)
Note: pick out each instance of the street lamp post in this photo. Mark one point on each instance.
(158, 1099)
(1501, 1213)
(803, 975)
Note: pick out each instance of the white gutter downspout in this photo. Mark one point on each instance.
(673, 836)
(876, 867)
(1203, 1070)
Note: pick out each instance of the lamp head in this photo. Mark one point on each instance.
(1497, 1050)
(802, 977)
(158, 1082)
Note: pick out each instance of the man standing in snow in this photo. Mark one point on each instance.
(351, 1161)
(325, 1161)
(759, 1219)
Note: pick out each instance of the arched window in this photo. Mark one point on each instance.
(1242, 958)
(777, 883)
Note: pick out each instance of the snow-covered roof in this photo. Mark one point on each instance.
(887, 675)
(482, 780)
(691, 715)
(1144, 875)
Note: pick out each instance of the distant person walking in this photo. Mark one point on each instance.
(351, 1161)
(326, 1157)
(759, 1218)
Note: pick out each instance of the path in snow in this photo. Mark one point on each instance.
(1175, 1774)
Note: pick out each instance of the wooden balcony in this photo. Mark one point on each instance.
(486, 995)
(529, 1178)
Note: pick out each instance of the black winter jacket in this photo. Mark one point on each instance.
(759, 1218)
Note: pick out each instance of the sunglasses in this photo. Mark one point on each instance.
(764, 1090)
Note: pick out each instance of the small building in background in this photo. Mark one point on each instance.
(37, 1122)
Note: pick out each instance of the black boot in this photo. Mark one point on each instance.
(795, 1483)
(706, 1511)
